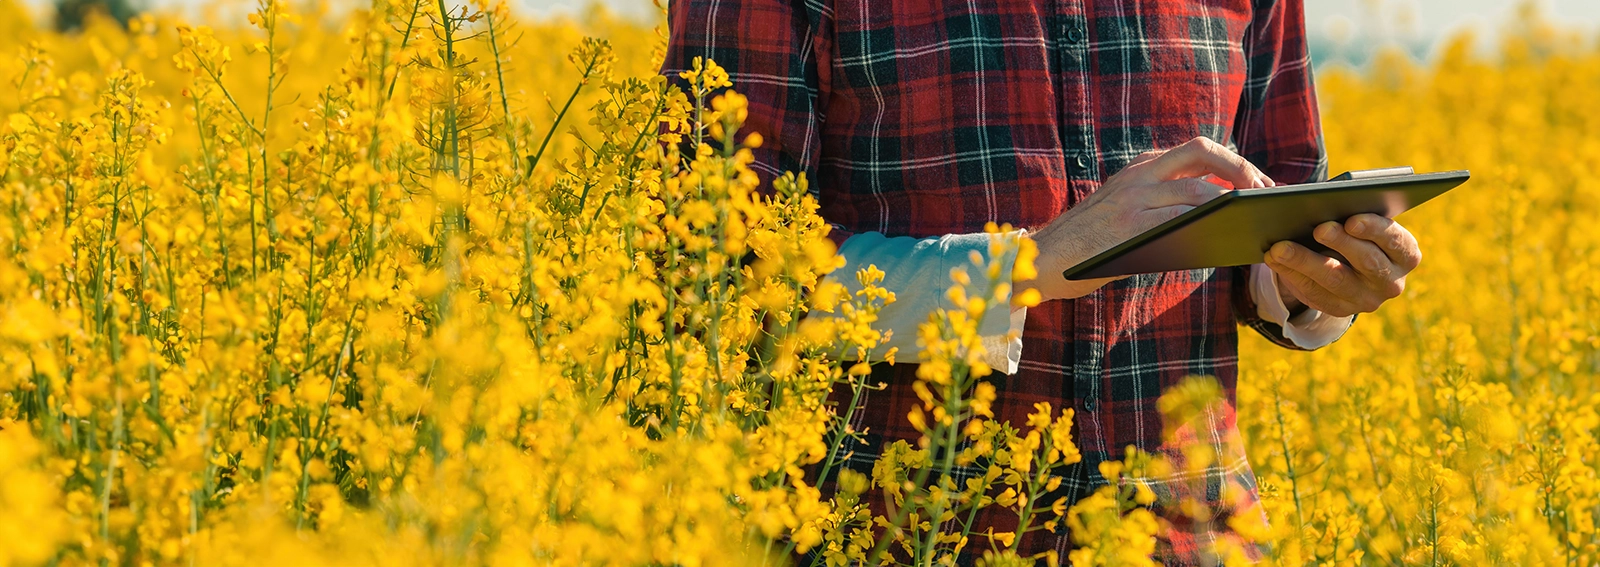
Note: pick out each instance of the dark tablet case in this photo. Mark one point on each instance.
(1238, 227)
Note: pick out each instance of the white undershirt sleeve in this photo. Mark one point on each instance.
(1311, 329)
(918, 272)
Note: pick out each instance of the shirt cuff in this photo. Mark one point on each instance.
(1004, 351)
(1000, 332)
(1311, 329)
(918, 272)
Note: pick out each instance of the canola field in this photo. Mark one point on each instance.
(1457, 425)
(425, 284)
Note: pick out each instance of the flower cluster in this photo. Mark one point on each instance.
(291, 294)
(286, 294)
(1458, 425)
(357, 290)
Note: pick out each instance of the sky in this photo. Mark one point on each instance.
(1407, 20)
(1340, 31)
(1428, 19)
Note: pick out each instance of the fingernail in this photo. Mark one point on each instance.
(1281, 251)
(1358, 224)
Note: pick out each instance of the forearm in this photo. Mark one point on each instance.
(917, 271)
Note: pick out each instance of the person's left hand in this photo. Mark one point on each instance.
(1378, 254)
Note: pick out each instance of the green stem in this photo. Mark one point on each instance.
(587, 71)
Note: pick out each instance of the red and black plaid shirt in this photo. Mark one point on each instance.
(929, 117)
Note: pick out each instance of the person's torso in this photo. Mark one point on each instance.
(940, 116)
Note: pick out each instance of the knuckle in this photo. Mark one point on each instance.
(1372, 264)
(1392, 235)
(1341, 283)
(1395, 246)
(1394, 288)
(1194, 146)
(1313, 288)
(1295, 283)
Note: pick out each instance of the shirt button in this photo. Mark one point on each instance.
(1074, 33)
(1089, 402)
(1081, 162)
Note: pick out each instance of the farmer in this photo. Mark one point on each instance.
(1085, 122)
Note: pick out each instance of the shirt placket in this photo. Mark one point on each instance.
(1074, 75)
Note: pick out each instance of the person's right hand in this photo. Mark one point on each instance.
(1154, 188)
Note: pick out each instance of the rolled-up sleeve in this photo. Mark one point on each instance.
(918, 272)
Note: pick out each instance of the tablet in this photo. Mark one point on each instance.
(1237, 228)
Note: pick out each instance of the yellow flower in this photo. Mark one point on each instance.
(409, 287)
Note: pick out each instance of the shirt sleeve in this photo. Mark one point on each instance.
(1309, 330)
(1279, 130)
(1277, 126)
(778, 56)
(918, 272)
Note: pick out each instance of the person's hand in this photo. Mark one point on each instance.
(1153, 189)
(1378, 253)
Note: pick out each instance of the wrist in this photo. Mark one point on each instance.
(1060, 249)
(1027, 291)
(1048, 266)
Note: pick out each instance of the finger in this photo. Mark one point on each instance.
(1144, 157)
(1311, 293)
(1394, 240)
(1201, 156)
(1152, 217)
(1192, 191)
(1302, 259)
(1329, 273)
(1364, 256)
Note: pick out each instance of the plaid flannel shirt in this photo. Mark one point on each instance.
(923, 117)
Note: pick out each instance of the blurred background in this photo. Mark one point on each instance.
(1341, 31)
(1351, 31)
